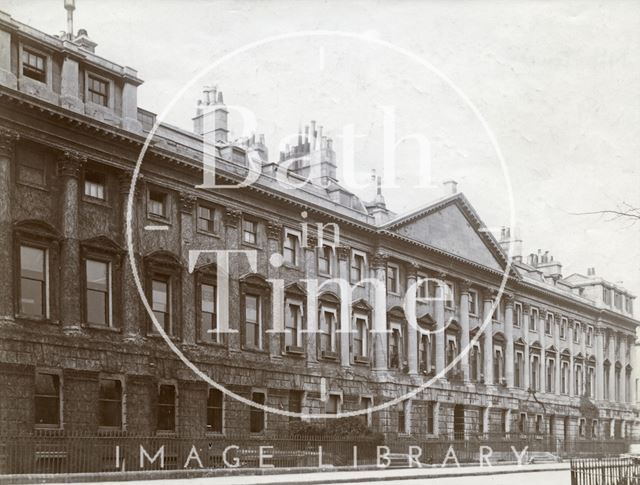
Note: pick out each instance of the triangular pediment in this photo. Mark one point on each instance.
(451, 225)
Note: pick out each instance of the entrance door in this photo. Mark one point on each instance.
(458, 422)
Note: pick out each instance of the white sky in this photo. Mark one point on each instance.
(558, 83)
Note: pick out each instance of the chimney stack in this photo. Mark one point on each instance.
(511, 238)
(450, 187)
(591, 271)
(211, 120)
(70, 6)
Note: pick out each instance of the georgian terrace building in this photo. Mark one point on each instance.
(79, 352)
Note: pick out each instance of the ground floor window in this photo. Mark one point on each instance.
(257, 416)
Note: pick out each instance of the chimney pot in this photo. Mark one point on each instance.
(451, 187)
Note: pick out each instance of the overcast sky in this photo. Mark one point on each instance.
(557, 82)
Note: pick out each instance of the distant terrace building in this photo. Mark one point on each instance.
(79, 353)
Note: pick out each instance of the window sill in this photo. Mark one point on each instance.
(34, 186)
(329, 356)
(214, 434)
(101, 328)
(48, 427)
(207, 233)
(97, 202)
(220, 345)
(166, 433)
(294, 351)
(295, 267)
(108, 430)
(157, 218)
(250, 245)
(254, 350)
(36, 319)
(361, 360)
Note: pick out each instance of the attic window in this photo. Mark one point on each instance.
(98, 90)
(33, 65)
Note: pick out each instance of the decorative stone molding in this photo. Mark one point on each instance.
(232, 217)
(124, 179)
(8, 140)
(70, 164)
(312, 242)
(489, 294)
(274, 230)
(412, 270)
(187, 202)
(379, 260)
(344, 252)
(557, 317)
(508, 299)
(526, 308)
(465, 286)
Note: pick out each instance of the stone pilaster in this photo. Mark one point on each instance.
(599, 391)
(274, 241)
(508, 335)
(132, 312)
(612, 367)
(487, 314)
(69, 168)
(344, 254)
(309, 254)
(226, 311)
(379, 265)
(542, 317)
(526, 316)
(440, 323)
(570, 329)
(188, 325)
(412, 337)
(623, 371)
(464, 324)
(8, 139)
(556, 340)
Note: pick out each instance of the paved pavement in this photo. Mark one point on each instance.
(549, 474)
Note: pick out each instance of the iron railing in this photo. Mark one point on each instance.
(64, 452)
(606, 471)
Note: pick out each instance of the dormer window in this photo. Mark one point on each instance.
(34, 65)
(98, 90)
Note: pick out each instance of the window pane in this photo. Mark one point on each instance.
(251, 308)
(208, 298)
(166, 408)
(47, 399)
(214, 411)
(97, 275)
(256, 423)
(160, 295)
(97, 307)
(32, 262)
(31, 297)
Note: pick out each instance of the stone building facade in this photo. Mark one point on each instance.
(79, 352)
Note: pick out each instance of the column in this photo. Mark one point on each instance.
(508, 335)
(542, 316)
(274, 234)
(380, 313)
(464, 324)
(623, 371)
(487, 314)
(69, 167)
(526, 316)
(599, 391)
(440, 323)
(556, 339)
(231, 313)
(310, 262)
(7, 144)
(612, 367)
(412, 337)
(570, 329)
(345, 310)
(345, 313)
(188, 325)
(132, 312)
